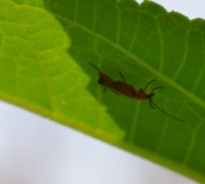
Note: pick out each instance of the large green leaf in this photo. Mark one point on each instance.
(44, 55)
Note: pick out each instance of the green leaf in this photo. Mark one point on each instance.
(45, 52)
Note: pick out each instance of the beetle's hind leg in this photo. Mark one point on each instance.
(122, 77)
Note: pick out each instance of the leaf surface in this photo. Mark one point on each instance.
(45, 52)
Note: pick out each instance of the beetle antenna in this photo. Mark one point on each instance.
(95, 67)
(152, 94)
(156, 88)
(151, 102)
(149, 83)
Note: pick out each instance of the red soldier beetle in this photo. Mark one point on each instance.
(121, 87)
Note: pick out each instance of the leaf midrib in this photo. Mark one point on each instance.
(143, 64)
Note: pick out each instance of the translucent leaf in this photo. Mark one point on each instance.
(45, 52)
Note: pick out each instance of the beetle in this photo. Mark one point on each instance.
(121, 87)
